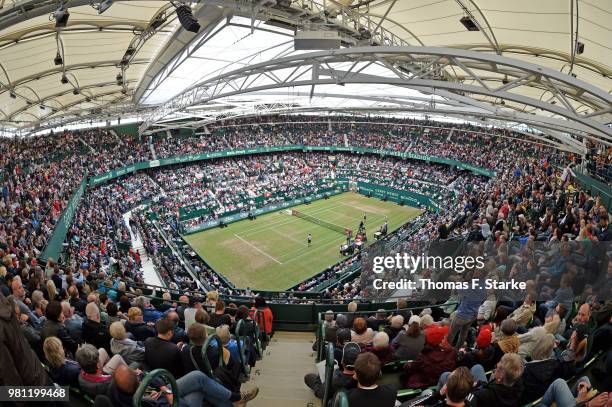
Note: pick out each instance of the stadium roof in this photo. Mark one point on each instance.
(544, 64)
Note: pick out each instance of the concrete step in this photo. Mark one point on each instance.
(280, 374)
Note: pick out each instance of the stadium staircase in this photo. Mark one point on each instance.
(149, 272)
(279, 375)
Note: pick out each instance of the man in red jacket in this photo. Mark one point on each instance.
(433, 360)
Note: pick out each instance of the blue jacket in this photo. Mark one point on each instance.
(470, 302)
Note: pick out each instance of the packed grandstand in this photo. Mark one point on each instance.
(351, 218)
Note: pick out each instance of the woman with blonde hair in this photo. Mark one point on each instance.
(120, 344)
(51, 290)
(64, 372)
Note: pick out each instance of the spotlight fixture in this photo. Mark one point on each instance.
(119, 79)
(579, 47)
(75, 91)
(469, 24)
(12, 95)
(505, 80)
(105, 5)
(61, 16)
(64, 79)
(185, 16)
(58, 60)
(42, 107)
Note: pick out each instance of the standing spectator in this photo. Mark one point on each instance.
(265, 317)
(466, 314)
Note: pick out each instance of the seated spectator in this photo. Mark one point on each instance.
(368, 393)
(541, 370)
(381, 348)
(431, 362)
(507, 341)
(96, 369)
(343, 378)
(114, 314)
(528, 340)
(484, 354)
(64, 372)
(191, 353)
(160, 353)
(575, 352)
(120, 344)
(219, 317)
(178, 334)
(507, 388)
(378, 320)
(329, 321)
(409, 343)
(456, 390)
(361, 333)
(73, 322)
(559, 392)
(194, 388)
(202, 317)
(396, 326)
(136, 326)
(54, 326)
(149, 313)
(523, 315)
(94, 332)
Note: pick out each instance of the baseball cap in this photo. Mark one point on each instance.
(343, 335)
(484, 338)
(349, 354)
(435, 335)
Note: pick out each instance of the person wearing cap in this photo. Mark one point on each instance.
(431, 362)
(409, 343)
(342, 379)
(483, 354)
(329, 319)
(343, 336)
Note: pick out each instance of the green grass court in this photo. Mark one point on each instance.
(271, 252)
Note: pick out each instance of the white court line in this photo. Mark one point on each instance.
(284, 221)
(258, 249)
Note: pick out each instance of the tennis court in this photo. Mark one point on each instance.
(272, 253)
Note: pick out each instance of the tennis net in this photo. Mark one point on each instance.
(321, 222)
